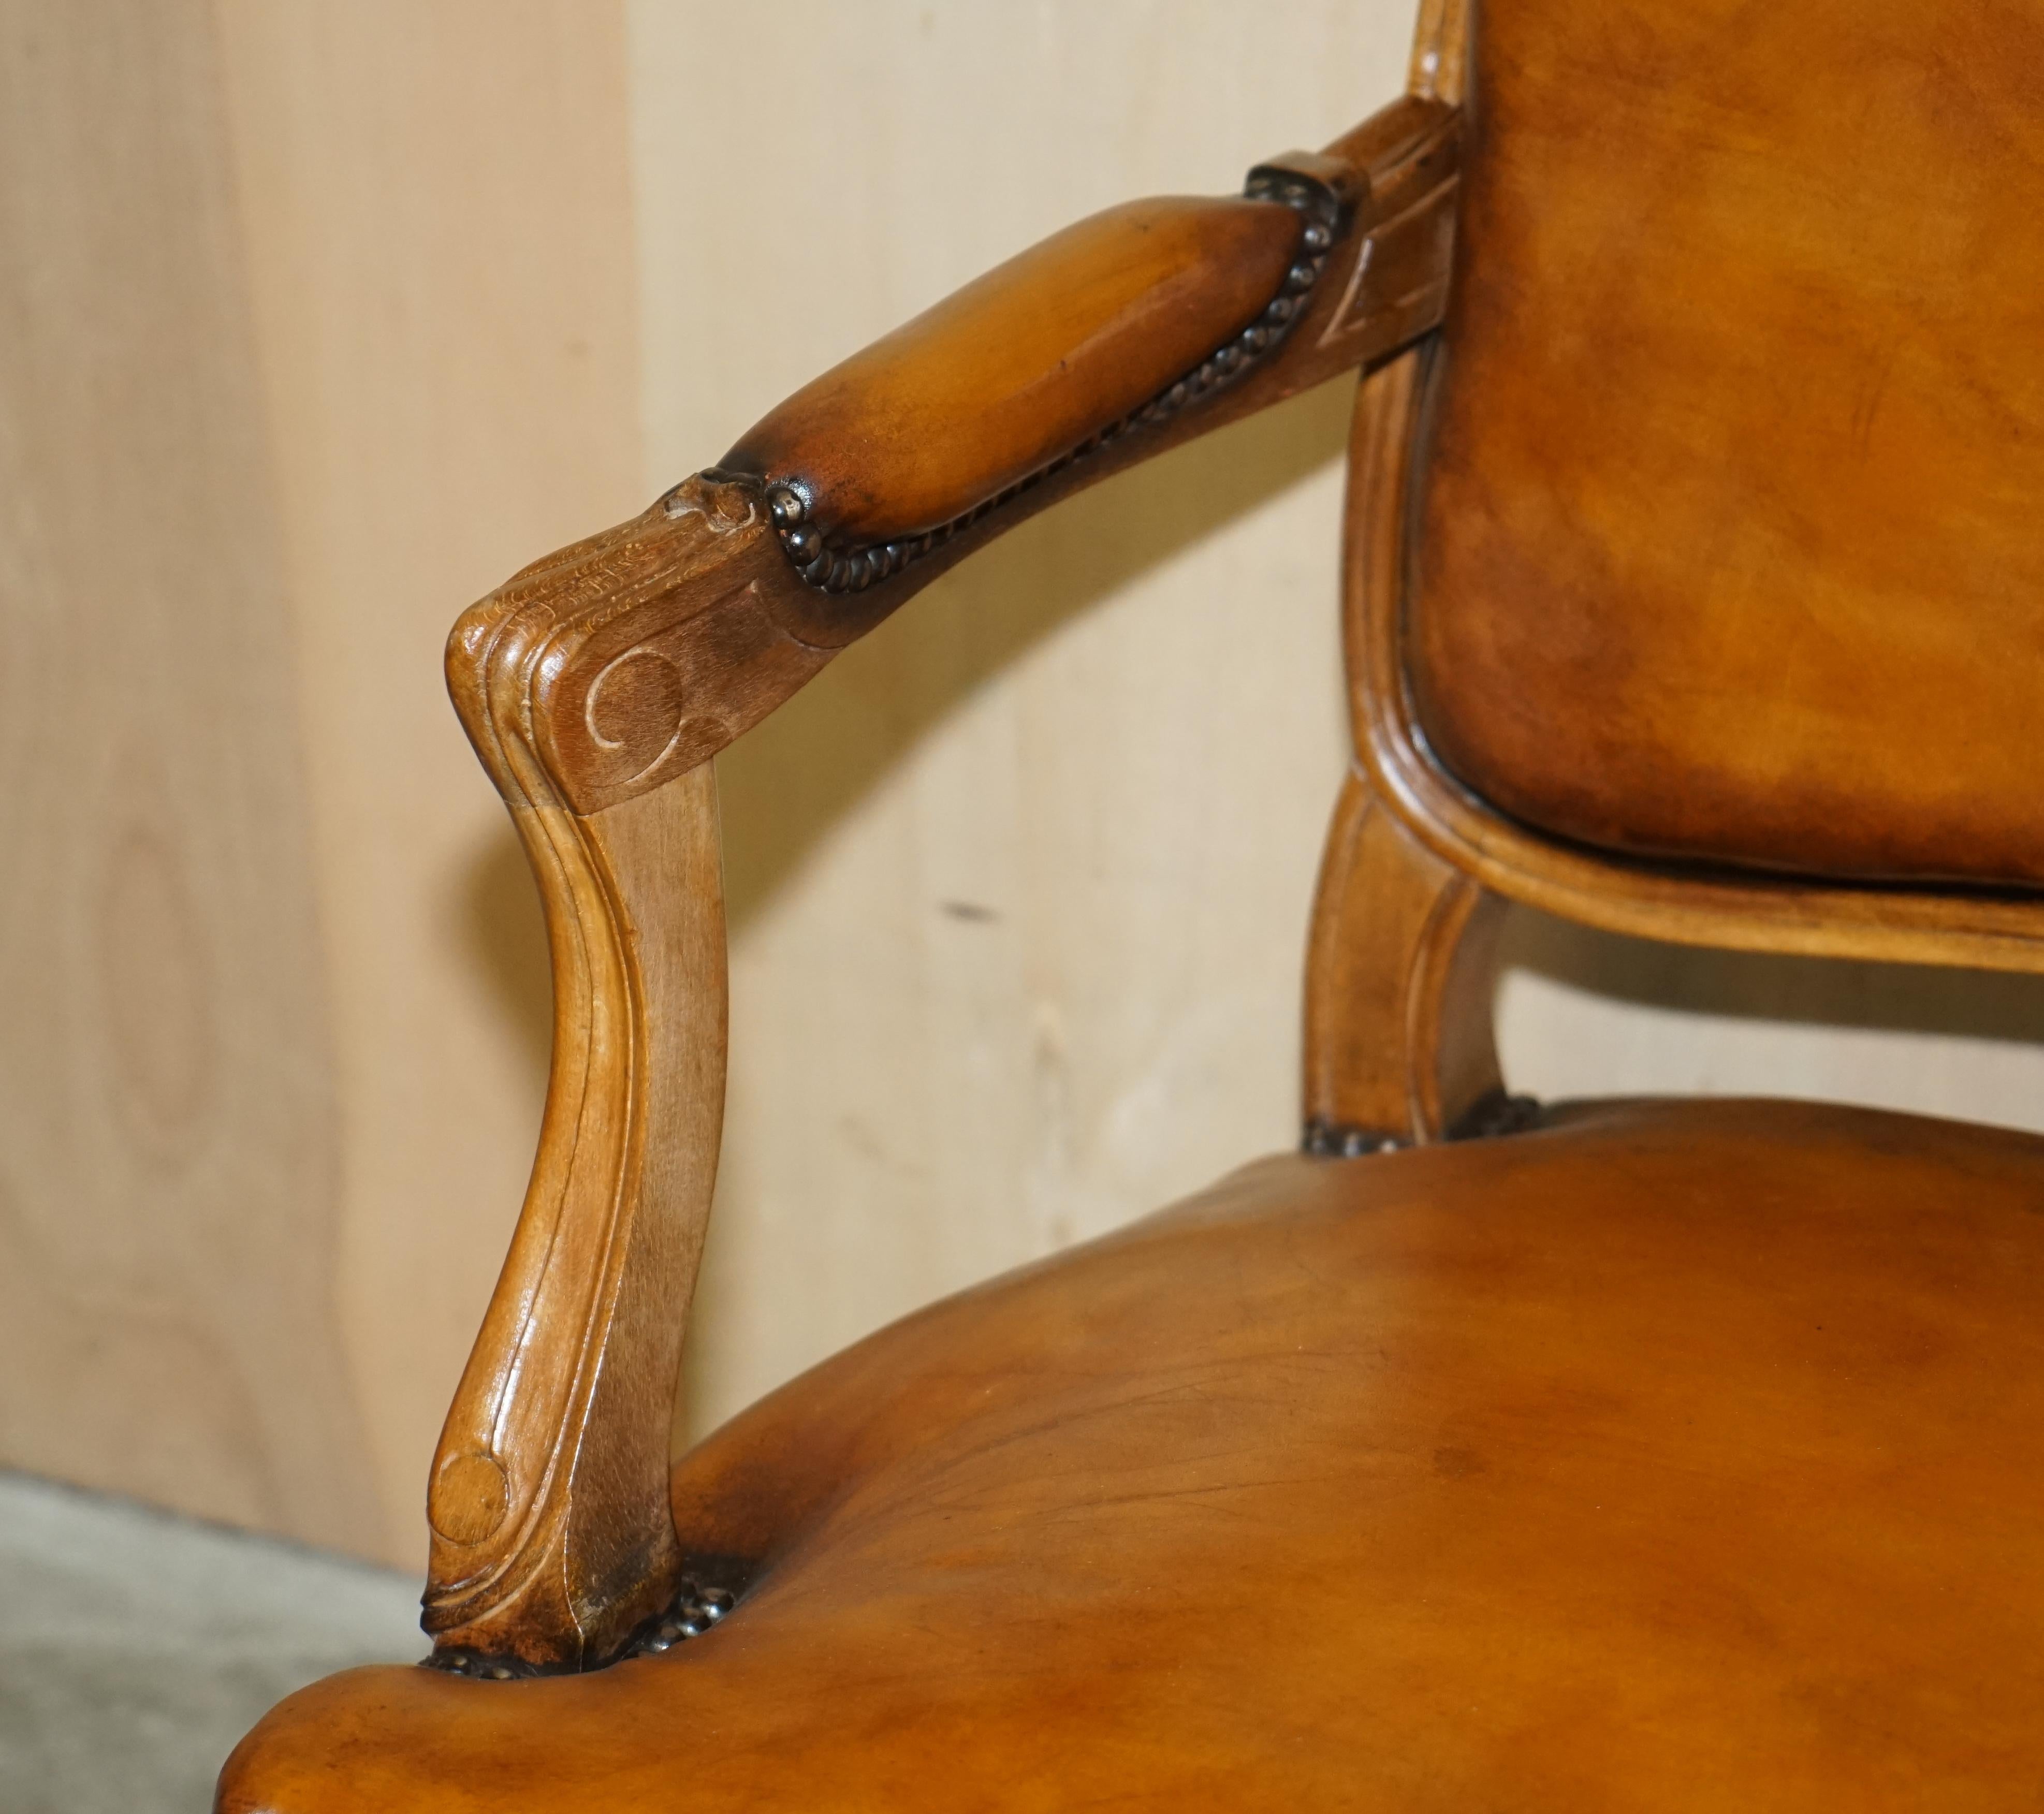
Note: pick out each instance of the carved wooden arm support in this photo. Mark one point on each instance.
(596, 684)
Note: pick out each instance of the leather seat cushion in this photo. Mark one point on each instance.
(1670, 1456)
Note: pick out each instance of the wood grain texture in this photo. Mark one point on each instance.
(552, 1539)
(1399, 974)
(1439, 68)
(1398, 1045)
(1648, 1460)
(439, 261)
(1743, 567)
(170, 1151)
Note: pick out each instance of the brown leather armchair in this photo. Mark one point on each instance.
(1630, 1454)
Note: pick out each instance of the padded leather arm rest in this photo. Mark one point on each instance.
(1116, 323)
(646, 650)
(997, 381)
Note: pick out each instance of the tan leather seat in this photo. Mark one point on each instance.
(1670, 1456)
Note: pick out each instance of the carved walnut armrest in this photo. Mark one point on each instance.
(597, 684)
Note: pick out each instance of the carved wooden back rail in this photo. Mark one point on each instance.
(597, 684)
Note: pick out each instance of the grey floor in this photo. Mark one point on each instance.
(135, 1648)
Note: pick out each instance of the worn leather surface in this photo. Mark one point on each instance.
(1673, 1457)
(1022, 364)
(1730, 543)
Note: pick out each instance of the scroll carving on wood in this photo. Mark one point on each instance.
(553, 1540)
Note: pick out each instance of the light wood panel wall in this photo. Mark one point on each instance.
(438, 233)
(322, 319)
(169, 1158)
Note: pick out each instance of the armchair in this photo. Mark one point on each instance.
(1650, 1453)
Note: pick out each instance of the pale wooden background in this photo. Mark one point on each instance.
(320, 318)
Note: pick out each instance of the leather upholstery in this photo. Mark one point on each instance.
(1729, 545)
(1671, 1456)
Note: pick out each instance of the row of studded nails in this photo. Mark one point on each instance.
(691, 1612)
(845, 570)
(695, 1609)
(478, 1667)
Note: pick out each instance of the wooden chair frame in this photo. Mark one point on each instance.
(597, 685)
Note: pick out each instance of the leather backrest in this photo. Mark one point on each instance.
(1731, 526)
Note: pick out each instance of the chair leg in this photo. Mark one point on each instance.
(1399, 971)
